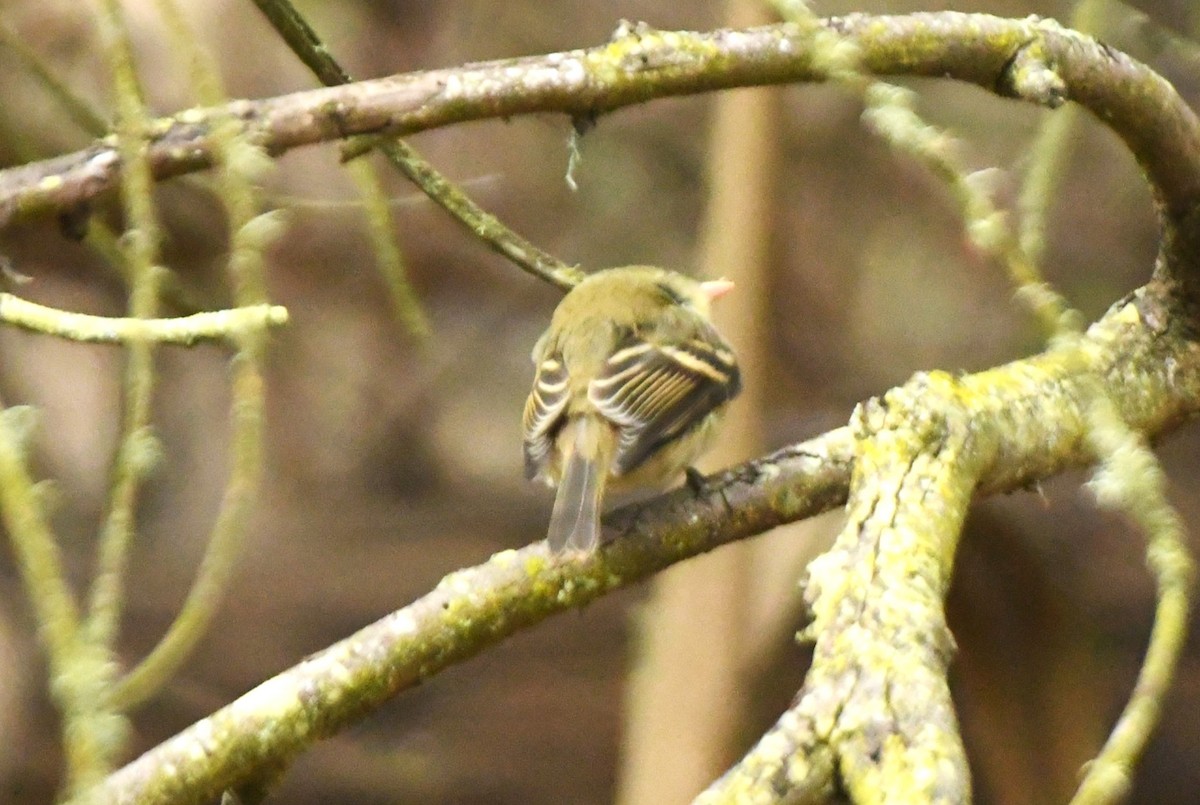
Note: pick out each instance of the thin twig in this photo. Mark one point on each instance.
(305, 43)
(140, 242)
(382, 232)
(1131, 480)
(240, 163)
(81, 112)
(37, 555)
(216, 325)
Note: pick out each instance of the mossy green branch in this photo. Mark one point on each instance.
(78, 670)
(37, 555)
(1002, 429)
(468, 611)
(1132, 481)
(140, 248)
(87, 718)
(875, 699)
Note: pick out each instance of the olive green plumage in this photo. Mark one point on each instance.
(631, 380)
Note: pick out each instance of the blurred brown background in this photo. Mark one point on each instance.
(391, 463)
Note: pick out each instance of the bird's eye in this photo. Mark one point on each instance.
(672, 294)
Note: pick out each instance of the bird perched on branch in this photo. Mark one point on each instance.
(631, 381)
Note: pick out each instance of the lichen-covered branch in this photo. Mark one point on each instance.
(468, 611)
(1025, 423)
(926, 762)
(875, 705)
(1057, 64)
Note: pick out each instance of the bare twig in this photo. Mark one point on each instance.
(88, 119)
(305, 43)
(216, 325)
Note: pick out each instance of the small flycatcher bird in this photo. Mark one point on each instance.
(631, 381)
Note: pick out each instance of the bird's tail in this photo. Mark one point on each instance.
(575, 520)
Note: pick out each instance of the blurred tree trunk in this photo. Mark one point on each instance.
(686, 698)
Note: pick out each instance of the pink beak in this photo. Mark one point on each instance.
(715, 289)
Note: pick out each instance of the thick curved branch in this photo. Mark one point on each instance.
(875, 704)
(1033, 59)
(1031, 408)
(468, 611)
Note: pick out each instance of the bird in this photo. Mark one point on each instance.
(631, 380)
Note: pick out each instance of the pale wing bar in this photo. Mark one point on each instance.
(543, 409)
(654, 393)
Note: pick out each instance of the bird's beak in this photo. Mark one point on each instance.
(715, 289)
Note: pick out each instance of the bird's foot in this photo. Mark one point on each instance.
(696, 481)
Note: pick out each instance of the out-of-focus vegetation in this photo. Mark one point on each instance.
(391, 462)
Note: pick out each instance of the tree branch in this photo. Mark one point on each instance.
(1027, 415)
(468, 611)
(875, 710)
(1032, 59)
(213, 325)
(875, 704)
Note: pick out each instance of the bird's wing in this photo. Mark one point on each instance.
(543, 410)
(656, 392)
